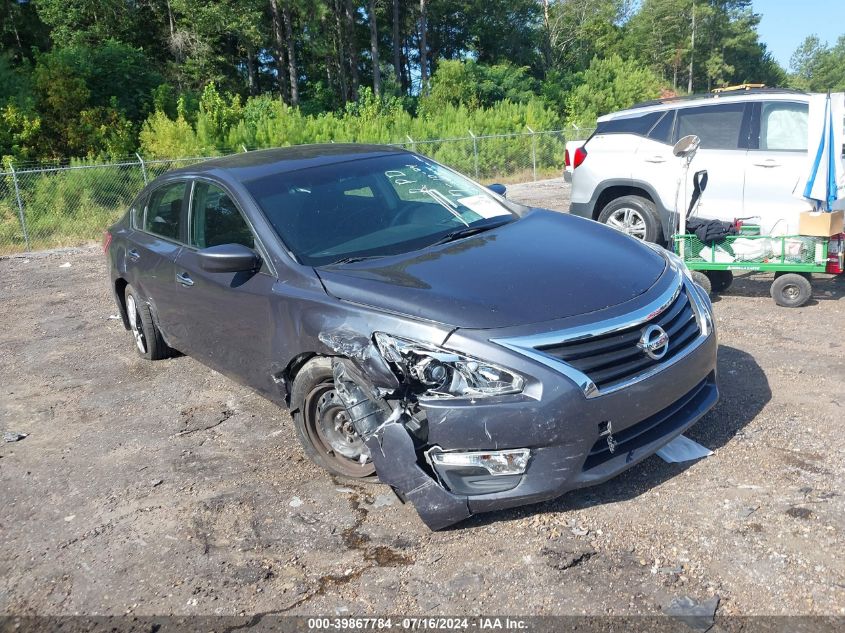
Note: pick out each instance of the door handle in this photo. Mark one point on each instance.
(769, 162)
(184, 279)
(656, 159)
(133, 255)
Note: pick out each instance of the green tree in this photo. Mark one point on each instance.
(576, 31)
(88, 22)
(21, 30)
(608, 85)
(818, 67)
(476, 85)
(88, 97)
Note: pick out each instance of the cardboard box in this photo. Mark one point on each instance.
(821, 224)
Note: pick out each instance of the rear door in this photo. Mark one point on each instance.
(226, 317)
(776, 161)
(154, 246)
(654, 163)
(724, 130)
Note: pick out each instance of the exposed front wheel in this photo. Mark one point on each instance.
(323, 425)
(791, 290)
(634, 215)
(148, 340)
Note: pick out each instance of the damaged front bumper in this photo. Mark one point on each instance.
(546, 425)
(572, 441)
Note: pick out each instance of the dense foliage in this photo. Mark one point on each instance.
(106, 78)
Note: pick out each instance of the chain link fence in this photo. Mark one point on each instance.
(43, 208)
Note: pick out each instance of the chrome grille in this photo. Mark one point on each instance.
(612, 358)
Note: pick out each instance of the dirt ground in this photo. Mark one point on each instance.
(164, 488)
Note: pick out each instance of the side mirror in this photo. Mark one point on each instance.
(228, 258)
(686, 146)
(499, 189)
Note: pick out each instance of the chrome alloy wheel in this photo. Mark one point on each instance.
(135, 324)
(628, 220)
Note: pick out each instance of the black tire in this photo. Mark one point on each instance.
(791, 290)
(316, 410)
(720, 280)
(148, 341)
(617, 212)
(702, 280)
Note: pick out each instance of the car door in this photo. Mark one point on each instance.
(226, 319)
(775, 164)
(723, 129)
(155, 244)
(654, 163)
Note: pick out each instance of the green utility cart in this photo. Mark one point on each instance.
(793, 259)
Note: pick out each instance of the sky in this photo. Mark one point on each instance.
(785, 24)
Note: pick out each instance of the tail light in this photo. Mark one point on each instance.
(580, 155)
(106, 241)
(835, 255)
(566, 161)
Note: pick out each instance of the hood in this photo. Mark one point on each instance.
(544, 266)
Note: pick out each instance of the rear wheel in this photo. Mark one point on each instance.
(148, 340)
(720, 280)
(791, 290)
(323, 425)
(634, 215)
(702, 280)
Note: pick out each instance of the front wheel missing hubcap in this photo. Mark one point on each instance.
(336, 437)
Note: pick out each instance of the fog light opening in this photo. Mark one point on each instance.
(509, 462)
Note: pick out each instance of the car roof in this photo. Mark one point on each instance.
(741, 96)
(248, 166)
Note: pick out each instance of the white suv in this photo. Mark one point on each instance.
(753, 146)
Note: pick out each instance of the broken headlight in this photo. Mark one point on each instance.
(440, 373)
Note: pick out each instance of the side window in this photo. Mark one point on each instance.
(216, 220)
(163, 215)
(783, 126)
(662, 132)
(718, 126)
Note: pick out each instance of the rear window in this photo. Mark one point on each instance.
(639, 125)
(164, 211)
(783, 126)
(718, 126)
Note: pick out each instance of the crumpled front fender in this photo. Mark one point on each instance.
(383, 426)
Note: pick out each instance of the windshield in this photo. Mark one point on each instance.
(373, 207)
